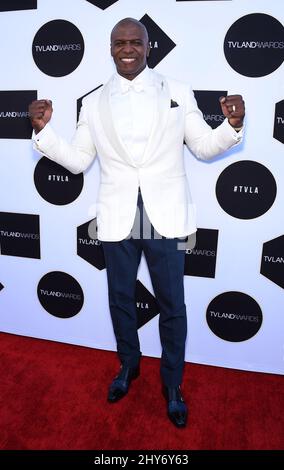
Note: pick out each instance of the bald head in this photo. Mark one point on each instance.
(129, 47)
(128, 22)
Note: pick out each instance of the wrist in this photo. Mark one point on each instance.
(237, 126)
(37, 128)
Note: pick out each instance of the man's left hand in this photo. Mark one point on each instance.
(233, 108)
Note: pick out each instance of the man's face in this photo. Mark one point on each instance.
(129, 49)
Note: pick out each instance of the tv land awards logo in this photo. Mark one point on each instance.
(201, 260)
(55, 184)
(246, 189)
(234, 316)
(102, 4)
(254, 45)
(58, 48)
(14, 116)
(60, 294)
(19, 235)
(146, 304)
(90, 249)
(272, 261)
(208, 102)
(161, 44)
(12, 5)
(278, 132)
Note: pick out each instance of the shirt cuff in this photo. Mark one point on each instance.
(37, 137)
(236, 134)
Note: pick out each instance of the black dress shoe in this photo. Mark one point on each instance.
(120, 385)
(177, 409)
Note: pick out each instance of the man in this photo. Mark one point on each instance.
(137, 123)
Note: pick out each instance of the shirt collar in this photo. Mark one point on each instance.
(139, 83)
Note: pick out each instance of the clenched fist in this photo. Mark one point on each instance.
(233, 108)
(40, 112)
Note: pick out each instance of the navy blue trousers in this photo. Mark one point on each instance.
(166, 267)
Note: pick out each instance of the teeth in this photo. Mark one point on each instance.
(127, 60)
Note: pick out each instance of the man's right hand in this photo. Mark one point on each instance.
(40, 112)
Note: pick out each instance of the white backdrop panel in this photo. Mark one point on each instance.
(198, 28)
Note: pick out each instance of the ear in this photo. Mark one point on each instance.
(148, 50)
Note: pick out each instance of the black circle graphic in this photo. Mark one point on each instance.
(58, 48)
(55, 184)
(246, 189)
(278, 131)
(254, 45)
(60, 294)
(234, 316)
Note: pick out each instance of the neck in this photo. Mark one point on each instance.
(131, 76)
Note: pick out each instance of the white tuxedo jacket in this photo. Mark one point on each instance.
(160, 173)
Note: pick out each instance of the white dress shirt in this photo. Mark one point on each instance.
(132, 105)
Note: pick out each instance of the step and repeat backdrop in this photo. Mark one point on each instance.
(52, 274)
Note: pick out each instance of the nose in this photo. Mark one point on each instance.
(127, 48)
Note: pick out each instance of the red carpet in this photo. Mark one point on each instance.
(53, 396)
